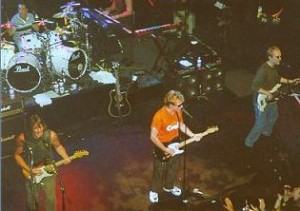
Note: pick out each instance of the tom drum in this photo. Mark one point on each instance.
(7, 52)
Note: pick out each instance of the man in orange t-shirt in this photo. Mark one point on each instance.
(166, 123)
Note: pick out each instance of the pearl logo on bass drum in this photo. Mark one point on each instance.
(19, 69)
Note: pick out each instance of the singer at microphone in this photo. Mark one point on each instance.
(187, 113)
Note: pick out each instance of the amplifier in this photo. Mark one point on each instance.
(11, 108)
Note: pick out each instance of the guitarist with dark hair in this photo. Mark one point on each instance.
(165, 128)
(37, 143)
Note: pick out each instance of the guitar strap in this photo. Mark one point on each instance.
(46, 141)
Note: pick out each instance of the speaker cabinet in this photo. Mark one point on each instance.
(10, 128)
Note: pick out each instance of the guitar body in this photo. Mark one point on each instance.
(158, 153)
(119, 105)
(38, 178)
(262, 99)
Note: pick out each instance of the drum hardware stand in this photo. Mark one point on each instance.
(202, 95)
(88, 50)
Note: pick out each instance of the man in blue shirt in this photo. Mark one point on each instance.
(23, 23)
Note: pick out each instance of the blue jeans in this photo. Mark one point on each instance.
(264, 123)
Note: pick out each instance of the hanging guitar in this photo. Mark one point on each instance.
(119, 105)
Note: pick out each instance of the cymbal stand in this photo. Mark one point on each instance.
(49, 65)
(43, 60)
(88, 50)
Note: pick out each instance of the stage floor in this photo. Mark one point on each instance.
(117, 172)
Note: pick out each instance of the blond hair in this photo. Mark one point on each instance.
(172, 96)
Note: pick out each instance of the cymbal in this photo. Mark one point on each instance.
(64, 14)
(43, 22)
(7, 25)
(70, 4)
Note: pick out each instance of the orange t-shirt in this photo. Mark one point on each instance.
(166, 124)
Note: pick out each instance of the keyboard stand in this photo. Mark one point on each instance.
(162, 53)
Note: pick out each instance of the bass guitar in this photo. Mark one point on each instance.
(119, 105)
(177, 147)
(49, 170)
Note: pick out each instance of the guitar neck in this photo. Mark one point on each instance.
(61, 162)
(186, 142)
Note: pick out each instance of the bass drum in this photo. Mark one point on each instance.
(7, 52)
(64, 60)
(24, 72)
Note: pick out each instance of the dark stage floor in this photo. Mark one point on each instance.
(116, 174)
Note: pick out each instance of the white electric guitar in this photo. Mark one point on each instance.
(262, 99)
(49, 170)
(176, 146)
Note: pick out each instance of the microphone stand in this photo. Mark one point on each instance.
(32, 180)
(64, 194)
(184, 199)
(195, 190)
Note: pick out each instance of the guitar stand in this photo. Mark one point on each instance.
(202, 95)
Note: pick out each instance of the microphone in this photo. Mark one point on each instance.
(283, 64)
(187, 113)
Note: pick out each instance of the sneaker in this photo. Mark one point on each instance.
(153, 197)
(175, 191)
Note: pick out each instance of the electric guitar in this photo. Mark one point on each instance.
(49, 170)
(176, 146)
(119, 105)
(262, 99)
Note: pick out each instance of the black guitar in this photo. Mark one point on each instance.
(119, 105)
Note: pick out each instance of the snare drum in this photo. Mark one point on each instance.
(71, 62)
(7, 52)
(23, 72)
(30, 42)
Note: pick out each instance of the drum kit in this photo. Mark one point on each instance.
(42, 54)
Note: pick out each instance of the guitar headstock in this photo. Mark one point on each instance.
(115, 65)
(80, 153)
(212, 129)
